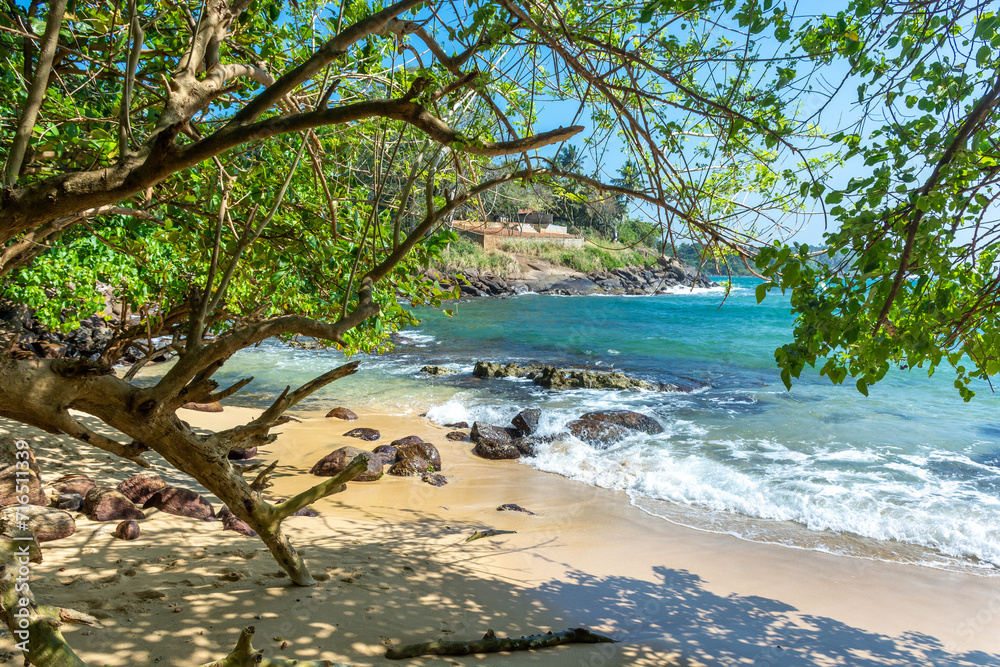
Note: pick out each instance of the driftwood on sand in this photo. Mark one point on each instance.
(490, 643)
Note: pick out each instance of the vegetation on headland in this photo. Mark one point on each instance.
(260, 171)
(463, 254)
(593, 256)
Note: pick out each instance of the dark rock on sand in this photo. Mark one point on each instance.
(387, 453)
(232, 522)
(457, 436)
(104, 503)
(71, 502)
(424, 450)
(341, 413)
(511, 507)
(181, 502)
(242, 453)
(81, 484)
(139, 487)
(413, 465)
(214, 406)
(597, 433)
(408, 440)
(437, 370)
(457, 425)
(10, 481)
(633, 421)
(127, 530)
(337, 460)
(526, 421)
(46, 523)
(434, 479)
(369, 434)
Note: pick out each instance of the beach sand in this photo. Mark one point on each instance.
(394, 567)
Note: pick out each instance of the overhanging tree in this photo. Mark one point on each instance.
(250, 170)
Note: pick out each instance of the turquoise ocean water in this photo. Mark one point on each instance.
(910, 473)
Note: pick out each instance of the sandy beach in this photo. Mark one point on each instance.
(394, 567)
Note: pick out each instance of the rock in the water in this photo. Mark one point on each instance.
(495, 450)
(434, 479)
(526, 421)
(511, 507)
(437, 370)
(81, 484)
(493, 442)
(181, 502)
(127, 530)
(337, 460)
(104, 503)
(46, 523)
(10, 456)
(232, 522)
(457, 436)
(633, 421)
(341, 413)
(424, 450)
(242, 453)
(214, 406)
(597, 433)
(483, 432)
(388, 453)
(457, 425)
(139, 487)
(71, 502)
(526, 445)
(368, 434)
(413, 465)
(554, 378)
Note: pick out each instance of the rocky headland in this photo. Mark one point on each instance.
(539, 276)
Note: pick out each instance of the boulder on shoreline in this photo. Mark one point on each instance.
(181, 502)
(493, 442)
(424, 450)
(45, 523)
(105, 503)
(337, 460)
(341, 413)
(526, 421)
(369, 434)
(139, 487)
(410, 466)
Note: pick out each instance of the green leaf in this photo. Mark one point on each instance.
(983, 55)
(761, 292)
(862, 386)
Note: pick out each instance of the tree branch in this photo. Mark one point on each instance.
(335, 484)
(36, 93)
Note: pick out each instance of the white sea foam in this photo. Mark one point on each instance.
(952, 518)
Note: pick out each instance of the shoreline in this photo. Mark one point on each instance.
(398, 570)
